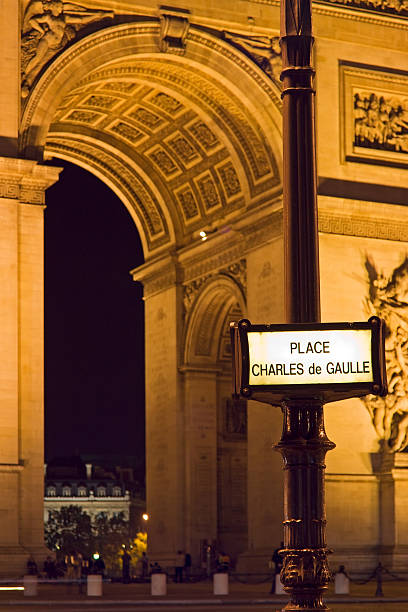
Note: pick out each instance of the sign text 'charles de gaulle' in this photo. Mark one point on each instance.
(330, 360)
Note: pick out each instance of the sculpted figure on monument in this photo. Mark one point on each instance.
(264, 50)
(235, 416)
(48, 26)
(388, 299)
(381, 121)
(399, 7)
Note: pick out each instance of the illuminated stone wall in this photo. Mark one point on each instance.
(179, 112)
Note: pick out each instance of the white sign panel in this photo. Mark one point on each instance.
(310, 357)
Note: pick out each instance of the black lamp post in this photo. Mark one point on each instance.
(270, 361)
(305, 572)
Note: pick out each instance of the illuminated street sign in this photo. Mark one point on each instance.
(329, 360)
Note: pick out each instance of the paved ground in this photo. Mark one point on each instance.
(54, 607)
(196, 597)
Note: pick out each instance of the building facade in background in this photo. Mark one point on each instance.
(177, 109)
(71, 482)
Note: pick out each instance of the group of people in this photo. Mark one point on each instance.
(51, 569)
(75, 566)
(143, 563)
(71, 567)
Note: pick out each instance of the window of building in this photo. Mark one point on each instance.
(101, 491)
(51, 491)
(82, 491)
(66, 491)
(117, 491)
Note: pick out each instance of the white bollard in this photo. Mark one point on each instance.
(341, 584)
(279, 590)
(158, 584)
(94, 585)
(30, 585)
(220, 583)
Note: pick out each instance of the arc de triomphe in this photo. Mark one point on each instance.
(177, 109)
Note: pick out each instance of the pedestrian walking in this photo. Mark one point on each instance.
(187, 567)
(125, 567)
(179, 566)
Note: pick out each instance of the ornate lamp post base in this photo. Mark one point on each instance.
(305, 574)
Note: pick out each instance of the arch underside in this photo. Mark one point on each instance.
(207, 342)
(172, 137)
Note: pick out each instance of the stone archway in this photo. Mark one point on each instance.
(178, 111)
(173, 136)
(188, 142)
(215, 423)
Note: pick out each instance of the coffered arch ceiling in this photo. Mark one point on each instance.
(186, 142)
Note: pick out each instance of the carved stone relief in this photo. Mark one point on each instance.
(388, 299)
(182, 147)
(127, 131)
(48, 26)
(393, 7)
(380, 121)
(191, 290)
(26, 181)
(146, 117)
(204, 135)
(121, 86)
(188, 203)
(173, 31)
(164, 162)
(199, 266)
(82, 116)
(375, 117)
(229, 179)
(99, 101)
(236, 271)
(235, 417)
(167, 103)
(264, 50)
(209, 191)
(14, 190)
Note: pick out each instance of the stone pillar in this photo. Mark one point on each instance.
(165, 480)
(393, 480)
(265, 469)
(200, 392)
(22, 187)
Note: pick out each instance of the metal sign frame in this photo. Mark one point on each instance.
(328, 392)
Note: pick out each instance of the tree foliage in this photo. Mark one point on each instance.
(71, 530)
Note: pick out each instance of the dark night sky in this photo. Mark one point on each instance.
(94, 368)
